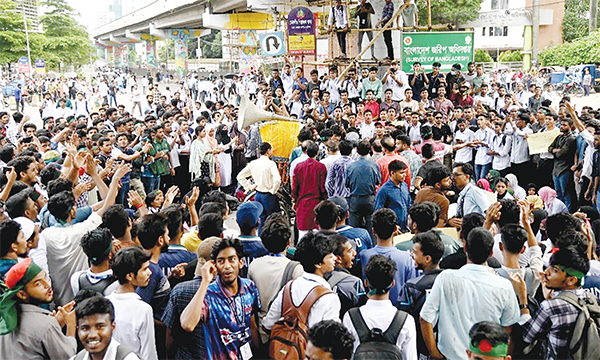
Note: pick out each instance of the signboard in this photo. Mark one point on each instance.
(447, 48)
(40, 66)
(272, 44)
(23, 65)
(248, 37)
(301, 32)
(539, 142)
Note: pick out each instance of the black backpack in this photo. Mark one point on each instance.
(374, 343)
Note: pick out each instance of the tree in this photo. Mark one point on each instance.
(584, 50)
(482, 56)
(211, 45)
(575, 23)
(12, 33)
(449, 11)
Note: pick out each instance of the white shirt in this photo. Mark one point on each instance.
(501, 161)
(367, 131)
(65, 112)
(326, 308)
(464, 154)
(397, 90)
(330, 159)
(65, 255)
(264, 173)
(378, 314)
(295, 163)
(520, 148)
(134, 324)
(111, 353)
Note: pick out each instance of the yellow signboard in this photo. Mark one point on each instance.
(538, 143)
(301, 44)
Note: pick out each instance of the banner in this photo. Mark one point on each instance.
(23, 65)
(447, 48)
(248, 37)
(301, 32)
(539, 142)
(40, 66)
(151, 53)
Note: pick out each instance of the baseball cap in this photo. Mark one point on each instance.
(247, 214)
(340, 202)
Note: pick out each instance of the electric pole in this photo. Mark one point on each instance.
(536, 30)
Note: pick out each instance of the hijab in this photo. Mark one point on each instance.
(518, 191)
(222, 135)
(211, 140)
(548, 195)
(484, 184)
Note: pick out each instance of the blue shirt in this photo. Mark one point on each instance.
(304, 82)
(227, 317)
(405, 268)
(336, 178)
(189, 345)
(396, 198)
(471, 199)
(48, 220)
(362, 177)
(157, 292)
(177, 254)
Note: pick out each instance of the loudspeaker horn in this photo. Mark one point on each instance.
(250, 113)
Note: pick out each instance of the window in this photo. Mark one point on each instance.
(482, 31)
(499, 4)
(491, 31)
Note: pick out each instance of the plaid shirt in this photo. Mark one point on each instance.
(388, 11)
(189, 345)
(554, 321)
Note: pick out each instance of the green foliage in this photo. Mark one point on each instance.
(63, 40)
(508, 56)
(584, 50)
(167, 48)
(211, 45)
(481, 56)
(575, 23)
(449, 11)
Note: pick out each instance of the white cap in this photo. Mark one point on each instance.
(27, 226)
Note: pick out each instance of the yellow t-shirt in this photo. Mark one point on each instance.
(191, 241)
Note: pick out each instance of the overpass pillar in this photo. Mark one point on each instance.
(151, 54)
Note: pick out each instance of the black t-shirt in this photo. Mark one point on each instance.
(364, 19)
(425, 168)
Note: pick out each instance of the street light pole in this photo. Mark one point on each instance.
(26, 37)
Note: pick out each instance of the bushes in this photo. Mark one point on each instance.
(508, 56)
(585, 50)
(482, 57)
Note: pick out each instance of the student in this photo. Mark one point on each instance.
(12, 245)
(489, 341)
(28, 331)
(225, 305)
(176, 253)
(556, 317)
(377, 312)
(133, 317)
(248, 219)
(395, 194)
(384, 227)
(95, 327)
(98, 246)
(329, 339)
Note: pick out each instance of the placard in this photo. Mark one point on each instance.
(539, 142)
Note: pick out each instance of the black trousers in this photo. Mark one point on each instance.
(341, 35)
(387, 38)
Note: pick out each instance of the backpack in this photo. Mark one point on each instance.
(375, 344)
(100, 286)
(290, 332)
(122, 353)
(585, 339)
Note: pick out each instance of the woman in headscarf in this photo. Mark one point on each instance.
(518, 192)
(553, 205)
(492, 177)
(484, 184)
(226, 145)
(238, 158)
(202, 157)
(502, 190)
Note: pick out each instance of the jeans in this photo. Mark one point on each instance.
(361, 209)
(113, 98)
(369, 37)
(123, 193)
(270, 204)
(151, 183)
(586, 90)
(565, 189)
(481, 171)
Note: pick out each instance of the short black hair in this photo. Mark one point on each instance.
(226, 243)
(332, 336)
(466, 168)
(326, 214)
(426, 215)
(470, 222)
(94, 305)
(431, 244)
(312, 149)
(59, 185)
(428, 151)
(312, 250)
(9, 232)
(396, 165)
(21, 163)
(174, 214)
(510, 214)
(6, 153)
(276, 233)
(210, 225)
(345, 148)
(150, 228)
(264, 148)
(128, 260)
(560, 222)
(573, 238)
(513, 237)
(571, 257)
(116, 219)
(48, 173)
(60, 205)
(379, 272)
(363, 148)
(96, 244)
(215, 196)
(384, 223)
(213, 208)
(479, 245)
(437, 174)
(16, 205)
(489, 331)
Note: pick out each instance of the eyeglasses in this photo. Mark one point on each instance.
(457, 174)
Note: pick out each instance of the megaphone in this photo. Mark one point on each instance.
(250, 113)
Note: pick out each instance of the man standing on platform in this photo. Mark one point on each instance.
(388, 11)
(339, 16)
(364, 22)
(267, 180)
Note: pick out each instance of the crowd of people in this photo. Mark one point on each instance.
(411, 234)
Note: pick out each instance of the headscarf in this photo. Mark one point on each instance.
(518, 191)
(492, 177)
(548, 195)
(233, 132)
(484, 184)
(222, 135)
(15, 279)
(211, 140)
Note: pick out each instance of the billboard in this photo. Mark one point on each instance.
(447, 48)
(301, 32)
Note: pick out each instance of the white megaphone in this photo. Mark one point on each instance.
(249, 114)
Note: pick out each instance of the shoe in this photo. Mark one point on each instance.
(373, 58)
